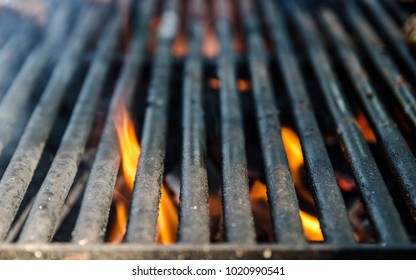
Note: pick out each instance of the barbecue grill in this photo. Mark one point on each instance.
(268, 129)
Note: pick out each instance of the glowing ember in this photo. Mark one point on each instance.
(345, 182)
(130, 153)
(310, 224)
(242, 85)
(180, 47)
(210, 46)
(366, 128)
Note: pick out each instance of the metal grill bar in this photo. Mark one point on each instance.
(396, 10)
(374, 192)
(20, 170)
(43, 217)
(92, 221)
(12, 55)
(194, 217)
(50, 199)
(375, 48)
(339, 107)
(142, 224)
(280, 188)
(392, 34)
(238, 218)
(398, 153)
(334, 221)
(334, 215)
(17, 99)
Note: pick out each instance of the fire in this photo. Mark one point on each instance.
(345, 182)
(210, 46)
(242, 84)
(294, 154)
(130, 152)
(180, 47)
(366, 128)
(310, 224)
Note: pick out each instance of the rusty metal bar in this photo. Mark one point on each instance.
(93, 218)
(194, 216)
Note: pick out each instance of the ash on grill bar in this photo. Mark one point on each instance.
(221, 129)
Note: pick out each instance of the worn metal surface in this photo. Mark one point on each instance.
(13, 54)
(144, 209)
(20, 170)
(194, 216)
(50, 199)
(332, 213)
(391, 32)
(374, 192)
(52, 203)
(379, 54)
(14, 104)
(95, 209)
(394, 145)
(196, 252)
(238, 218)
(280, 187)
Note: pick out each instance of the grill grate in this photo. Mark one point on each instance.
(349, 54)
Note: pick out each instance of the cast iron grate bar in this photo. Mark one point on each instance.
(238, 218)
(46, 210)
(393, 7)
(20, 170)
(13, 53)
(142, 222)
(334, 222)
(394, 145)
(93, 218)
(280, 187)
(370, 182)
(375, 48)
(194, 216)
(392, 34)
(42, 218)
(18, 96)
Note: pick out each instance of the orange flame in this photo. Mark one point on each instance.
(310, 224)
(130, 153)
(294, 154)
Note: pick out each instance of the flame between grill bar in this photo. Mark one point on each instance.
(348, 180)
(92, 222)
